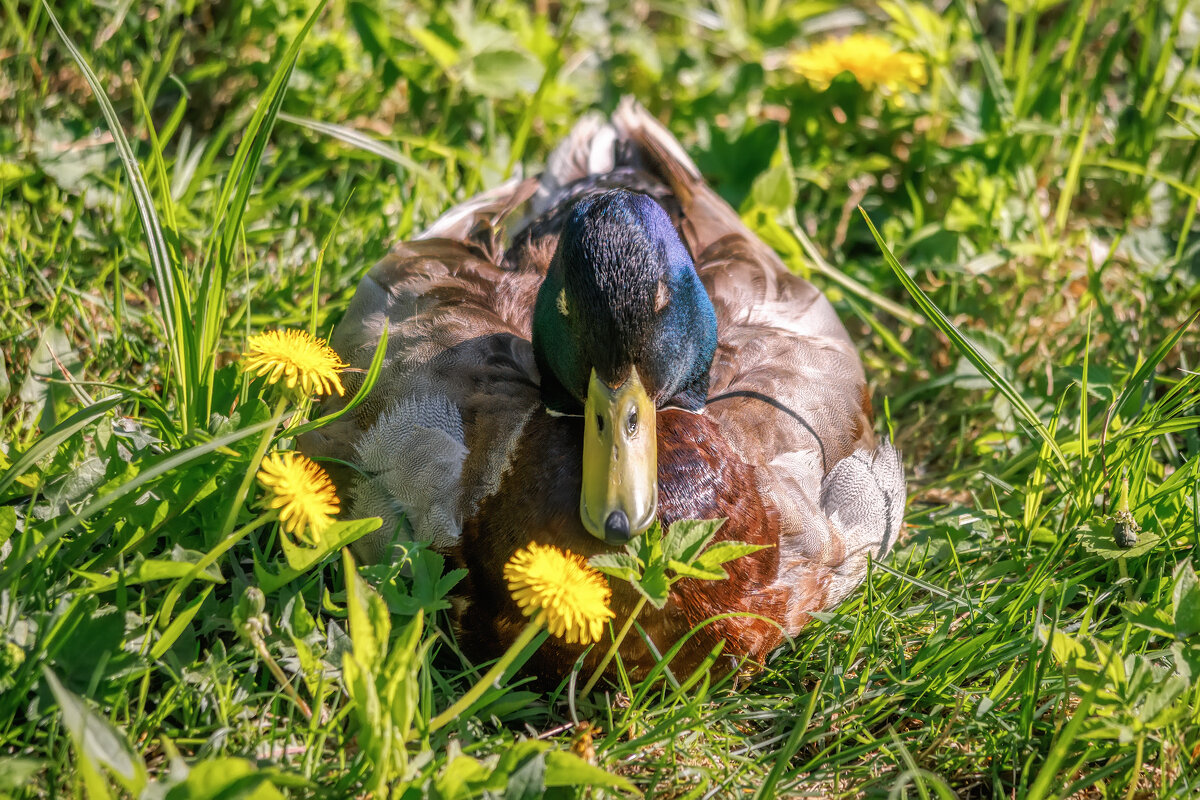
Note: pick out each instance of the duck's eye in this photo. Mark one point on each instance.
(600, 423)
(631, 423)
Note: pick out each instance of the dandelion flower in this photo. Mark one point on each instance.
(573, 596)
(297, 358)
(302, 492)
(870, 59)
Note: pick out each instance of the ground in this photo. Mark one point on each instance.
(175, 178)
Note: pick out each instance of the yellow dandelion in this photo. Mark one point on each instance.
(302, 492)
(573, 596)
(297, 358)
(870, 59)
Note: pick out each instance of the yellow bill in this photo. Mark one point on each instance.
(620, 460)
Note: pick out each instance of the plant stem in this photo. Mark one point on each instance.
(492, 675)
(1137, 767)
(261, 648)
(612, 650)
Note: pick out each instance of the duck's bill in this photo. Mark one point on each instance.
(620, 460)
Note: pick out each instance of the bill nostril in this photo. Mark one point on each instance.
(616, 527)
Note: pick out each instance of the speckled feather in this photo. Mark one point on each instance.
(785, 448)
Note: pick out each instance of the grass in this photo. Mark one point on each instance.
(1024, 293)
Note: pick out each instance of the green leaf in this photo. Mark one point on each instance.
(360, 686)
(161, 467)
(1186, 600)
(653, 584)
(8, 523)
(96, 739)
(528, 781)
(564, 768)
(370, 622)
(402, 691)
(54, 358)
(1187, 660)
(156, 569)
(775, 188)
(174, 305)
(296, 620)
(16, 772)
(460, 779)
(1153, 618)
(1159, 708)
(225, 779)
(1102, 542)
(618, 565)
(687, 537)
(503, 73)
(444, 53)
(301, 559)
(697, 570)
(511, 759)
(648, 547)
(724, 552)
(370, 145)
(178, 625)
(429, 585)
(1066, 649)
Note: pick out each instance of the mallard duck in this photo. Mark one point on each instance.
(573, 356)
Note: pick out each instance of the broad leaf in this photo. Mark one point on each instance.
(564, 768)
(336, 536)
(96, 739)
(502, 73)
(1186, 600)
(654, 585)
(225, 779)
(724, 552)
(370, 622)
(687, 537)
(697, 570)
(16, 772)
(1103, 541)
(460, 779)
(618, 565)
(527, 781)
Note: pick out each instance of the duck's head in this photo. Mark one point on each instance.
(622, 327)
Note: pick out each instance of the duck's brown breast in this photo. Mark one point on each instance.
(699, 478)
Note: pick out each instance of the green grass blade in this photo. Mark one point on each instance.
(967, 348)
(174, 305)
(11, 571)
(235, 196)
(48, 442)
(170, 224)
(367, 144)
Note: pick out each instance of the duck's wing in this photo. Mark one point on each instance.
(787, 384)
(458, 378)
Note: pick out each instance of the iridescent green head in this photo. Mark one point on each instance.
(622, 327)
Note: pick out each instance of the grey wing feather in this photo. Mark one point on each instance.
(863, 497)
(457, 383)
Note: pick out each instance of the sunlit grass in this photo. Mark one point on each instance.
(1025, 296)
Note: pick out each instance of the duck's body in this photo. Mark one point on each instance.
(474, 434)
